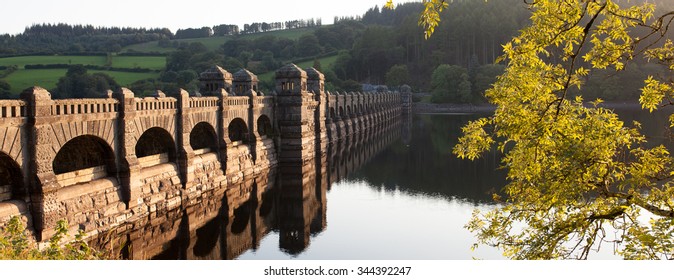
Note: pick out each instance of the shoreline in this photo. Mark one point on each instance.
(451, 108)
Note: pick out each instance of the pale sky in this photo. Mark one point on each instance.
(15, 15)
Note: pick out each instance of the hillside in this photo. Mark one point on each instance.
(213, 43)
(382, 47)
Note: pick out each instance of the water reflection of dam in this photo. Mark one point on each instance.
(292, 205)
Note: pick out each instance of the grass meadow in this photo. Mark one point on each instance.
(47, 78)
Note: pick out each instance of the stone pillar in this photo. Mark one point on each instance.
(339, 120)
(356, 122)
(245, 84)
(316, 85)
(128, 165)
(43, 186)
(185, 152)
(295, 115)
(221, 130)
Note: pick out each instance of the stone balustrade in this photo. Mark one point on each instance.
(12, 109)
(66, 107)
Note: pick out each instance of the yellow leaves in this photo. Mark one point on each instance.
(653, 93)
(663, 55)
(567, 162)
(430, 17)
(389, 5)
(474, 141)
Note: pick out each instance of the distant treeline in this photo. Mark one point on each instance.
(62, 38)
(248, 28)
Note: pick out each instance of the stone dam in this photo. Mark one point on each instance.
(124, 164)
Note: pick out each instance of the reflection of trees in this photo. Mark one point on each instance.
(427, 165)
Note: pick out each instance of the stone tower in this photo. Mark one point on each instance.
(296, 120)
(214, 79)
(291, 80)
(244, 81)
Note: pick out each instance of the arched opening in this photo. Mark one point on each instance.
(332, 113)
(154, 147)
(238, 130)
(82, 159)
(348, 110)
(264, 127)
(203, 138)
(341, 111)
(10, 178)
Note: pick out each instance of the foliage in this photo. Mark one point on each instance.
(79, 84)
(5, 89)
(16, 245)
(450, 84)
(483, 79)
(578, 176)
(470, 30)
(63, 38)
(398, 75)
(430, 17)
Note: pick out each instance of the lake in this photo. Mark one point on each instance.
(396, 194)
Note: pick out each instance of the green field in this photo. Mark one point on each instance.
(23, 79)
(52, 59)
(47, 78)
(214, 43)
(149, 62)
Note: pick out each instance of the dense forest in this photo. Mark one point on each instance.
(61, 38)
(381, 47)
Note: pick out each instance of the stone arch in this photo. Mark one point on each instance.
(264, 127)
(203, 136)
(238, 130)
(156, 141)
(82, 159)
(82, 152)
(341, 111)
(11, 183)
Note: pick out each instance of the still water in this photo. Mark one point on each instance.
(410, 201)
(396, 194)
